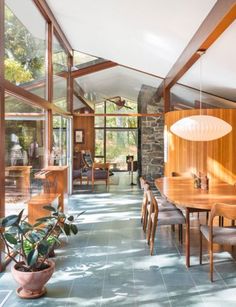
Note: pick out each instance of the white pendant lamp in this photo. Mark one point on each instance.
(200, 127)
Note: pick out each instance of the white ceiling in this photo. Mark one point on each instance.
(116, 81)
(146, 35)
(217, 67)
(27, 13)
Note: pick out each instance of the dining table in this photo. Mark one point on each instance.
(181, 192)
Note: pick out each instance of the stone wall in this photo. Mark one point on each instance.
(151, 135)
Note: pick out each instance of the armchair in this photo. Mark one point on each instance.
(99, 171)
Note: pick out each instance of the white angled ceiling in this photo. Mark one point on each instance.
(146, 35)
(216, 70)
(116, 81)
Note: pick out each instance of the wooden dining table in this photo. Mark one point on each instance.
(181, 191)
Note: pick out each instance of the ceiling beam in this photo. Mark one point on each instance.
(118, 114)
(86, 105)
(37, 101)
(48, 14)
(93, 68)
(217, 21)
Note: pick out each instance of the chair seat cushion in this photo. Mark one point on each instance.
(77, 174)
(221, 235)
(98, 174)
(165, 205)
(169, 217)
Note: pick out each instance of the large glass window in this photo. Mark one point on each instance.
(60, 141)
(24, 152)
(60, 74)
(119, 144)
(116, 136)
(25, 46)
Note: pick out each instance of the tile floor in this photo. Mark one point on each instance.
(108, 262)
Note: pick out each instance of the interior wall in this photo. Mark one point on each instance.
(87, 124)
(216, 158)
(151, 131)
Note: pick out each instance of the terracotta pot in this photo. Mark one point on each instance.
(32, 283)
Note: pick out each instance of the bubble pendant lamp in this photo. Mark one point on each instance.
(200, 127)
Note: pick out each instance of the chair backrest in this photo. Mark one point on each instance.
(152, 201)
(142, 182)
(221, 209)
(87, 158)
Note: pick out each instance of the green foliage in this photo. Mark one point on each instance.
(24, 54)
(15, 72)
(35, 242)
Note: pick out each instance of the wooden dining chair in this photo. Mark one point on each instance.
(218, 234)
(162, 218)
(164, 205)
(144, 201)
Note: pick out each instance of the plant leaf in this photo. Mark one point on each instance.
(10, 238)
(32, 257)
(20, 216)
(45, 218)
(49, 208)
(67, 229)
(70, 218)
(80, 213)
(43, 248)
(74, 229)
(9, 220)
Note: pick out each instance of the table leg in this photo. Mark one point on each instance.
(187, 238)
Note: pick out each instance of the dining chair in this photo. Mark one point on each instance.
(144, 201)
(164, 205)
(162, 218)
(218, 234)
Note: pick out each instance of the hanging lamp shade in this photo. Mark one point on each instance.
(200, 128)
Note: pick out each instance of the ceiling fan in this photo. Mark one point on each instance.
(117, 100)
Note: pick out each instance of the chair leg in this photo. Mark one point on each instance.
(200, 251)
(145, 221)
(149, 229)
(153, 233)
(173, 228)
(211, 260)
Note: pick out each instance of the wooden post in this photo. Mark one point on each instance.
(2, 121)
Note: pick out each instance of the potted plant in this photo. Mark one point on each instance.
(29, 246)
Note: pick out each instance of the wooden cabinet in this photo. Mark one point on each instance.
(36, 204)
(54, 180)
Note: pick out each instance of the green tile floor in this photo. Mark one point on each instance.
(108, 262)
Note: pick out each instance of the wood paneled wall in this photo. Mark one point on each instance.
(216, 158)
(87, 124)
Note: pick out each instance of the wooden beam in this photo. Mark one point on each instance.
(166, 99)
(49, 63)
(217, 21)
(93, 68)
(46, 11)
(84, 101)
(70, 86)
(21, 93)
(119, 114)
(2, 123)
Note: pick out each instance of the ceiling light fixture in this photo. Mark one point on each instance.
(200, 127)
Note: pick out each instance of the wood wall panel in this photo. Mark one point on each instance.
(216, 158)
(87, 124)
